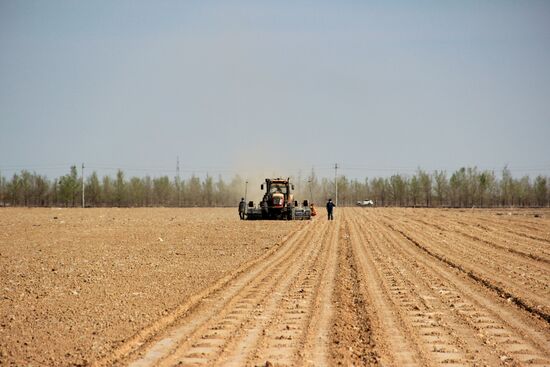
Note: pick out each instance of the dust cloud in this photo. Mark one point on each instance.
(260, 161)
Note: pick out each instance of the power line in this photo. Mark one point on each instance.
(35, 167)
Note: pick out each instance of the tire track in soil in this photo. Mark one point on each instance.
(279, 336)
(525, 271)
(498, 226)
(490, 216)
(517, 338)
(438, 336)
(297, 331)
(361, 290)
(209, 331)
(527, 277)
(529, 225)
(280, 310)
(449, 226)
(351, 333)
(318, 333)
(144, 339)
(506, 227)
(519, 295)
(394, 336)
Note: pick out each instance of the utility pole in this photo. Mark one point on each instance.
(178, 180)
(245, 190)
(336, 183)
(83, 203)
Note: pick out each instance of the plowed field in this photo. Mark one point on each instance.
(376, 286)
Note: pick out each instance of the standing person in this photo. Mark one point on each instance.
(242, 208)
(330, 208)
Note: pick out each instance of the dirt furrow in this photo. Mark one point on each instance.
(513, 336)
(526, 284)
(394, 336)
(266, 318)
(520, 269)
(541, 236)
(426, 296)
(278, 335)
(538, 233)
(476, 231)
(442, 338)
(376, 286)
(169, 337)
(479, 235)
(352, 333)
(317, 343)
(231, 333)
(294, 333)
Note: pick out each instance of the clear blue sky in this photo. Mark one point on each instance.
(376, 86)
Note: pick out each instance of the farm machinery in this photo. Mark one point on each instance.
(278, 202)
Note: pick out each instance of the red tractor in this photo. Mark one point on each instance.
(278, 202)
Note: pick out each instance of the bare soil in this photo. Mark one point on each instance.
(376, 286)
(76, 284)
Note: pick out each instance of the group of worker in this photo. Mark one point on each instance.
(330, 209)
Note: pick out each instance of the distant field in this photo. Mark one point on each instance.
(388, 286)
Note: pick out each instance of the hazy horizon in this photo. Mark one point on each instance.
(276, 87)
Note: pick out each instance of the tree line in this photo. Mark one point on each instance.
(466, 187)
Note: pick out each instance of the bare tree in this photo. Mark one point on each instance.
(120, 189)
(2, 190)
(162, 189)
(69, 187)
(541, 190)
(466, 187)
(208, 191)
(414, 190)
(93, 190)
(506, 187)
(441, 186)
(107, 192)
(426, 186)
(135, 192)
(398, 189)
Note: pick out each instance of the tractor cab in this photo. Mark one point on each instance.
(277, 194)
